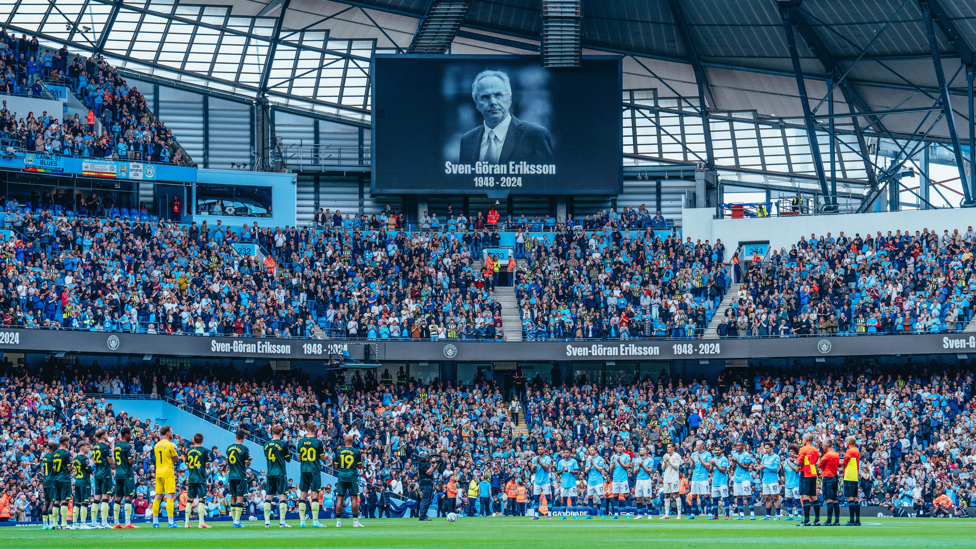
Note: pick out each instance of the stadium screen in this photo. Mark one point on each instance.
(478, 124)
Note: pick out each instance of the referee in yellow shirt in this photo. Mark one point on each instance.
(166, 457)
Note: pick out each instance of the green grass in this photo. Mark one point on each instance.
(469, 533)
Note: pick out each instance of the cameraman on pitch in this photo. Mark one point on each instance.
(428, 467)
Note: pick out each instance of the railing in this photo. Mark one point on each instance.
(310, 156)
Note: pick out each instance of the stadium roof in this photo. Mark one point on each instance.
(314, 55)
(325, 46)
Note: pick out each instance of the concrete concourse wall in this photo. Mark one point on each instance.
(782, 232)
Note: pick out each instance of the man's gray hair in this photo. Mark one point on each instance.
(487, 74)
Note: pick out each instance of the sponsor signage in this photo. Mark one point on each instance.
(100, 169)
(137, 171)
(43, 163)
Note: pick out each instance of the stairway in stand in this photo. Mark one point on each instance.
(511, 320)
(711, 331)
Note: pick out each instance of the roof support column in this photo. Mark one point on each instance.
(830, 203)
(972, 135)
(950, 118)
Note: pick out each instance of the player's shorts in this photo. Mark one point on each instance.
(62, 490)
(347, 488)
(830, 486)
(808, 486)
(82, 493)
(850, 489)
(542, 489)
(743, 488)
(104, 486)
(699, 488)
(276, 485)
(568, 492)
(594, 490)
(165, 485)
(49, 492)
(126, 487)
(720, 490)
(644, 488)
(237, 487)
(621, 487)
(310, 482)
(196, 490)
(770, 489)
(670, 487)
(792, 493)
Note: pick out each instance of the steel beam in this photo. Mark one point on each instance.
(103, 36)
(273, 47)
(693, 56)
(949, 29)
(861, 143)
(950, 117)
(972, 132)
(831, 204)
(439, 26)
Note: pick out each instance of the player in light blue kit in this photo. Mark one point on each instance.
(719, 466)
(594, 468)
(621, 484)
(699, 479)
(792, 482)
(567, 468)
(770, 482)
(541, 481)
(644, 485)
(741, 460)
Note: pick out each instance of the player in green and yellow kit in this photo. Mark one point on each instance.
(348, 460)
(197, 461)
(310, 452)
(82, 470)
(238, 458)
(277, 455)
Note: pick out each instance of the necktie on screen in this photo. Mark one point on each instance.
(491, 155)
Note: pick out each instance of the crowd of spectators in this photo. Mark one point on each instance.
(914, 422)
(894, 283)
(85, 273)
(128, 130)
(609, 285)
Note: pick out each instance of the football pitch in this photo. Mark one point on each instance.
(502, 532)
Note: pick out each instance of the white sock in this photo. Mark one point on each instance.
(667, 507)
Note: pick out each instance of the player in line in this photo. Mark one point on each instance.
(567, 468)
(82, 470)
(719, 467)
(166, 459)
(310, 453)
(238, 458)
(770, 464)
(594, 470)
(277, 454)
(347, 462)
(700, 490)
(644, 485)
(103, 460)
(619, 463)
(197, 460)
(742, 461)
(671, 464)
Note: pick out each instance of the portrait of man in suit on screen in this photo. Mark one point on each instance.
(502, 138)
